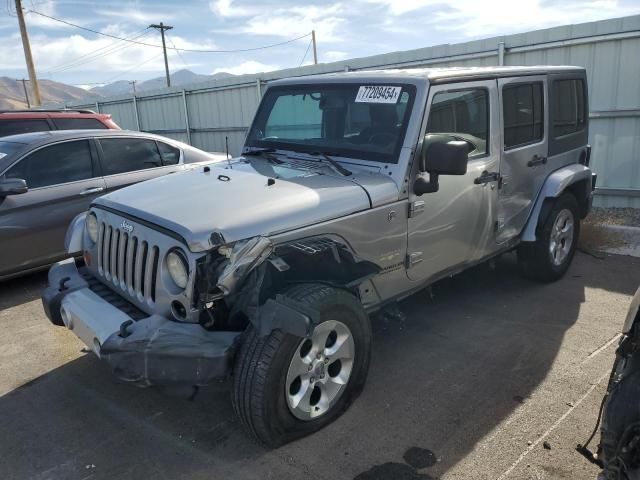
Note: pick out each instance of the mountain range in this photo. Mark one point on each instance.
(12, 93)
(181, 77)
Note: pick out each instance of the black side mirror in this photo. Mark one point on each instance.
(13, 186)
(440, 157)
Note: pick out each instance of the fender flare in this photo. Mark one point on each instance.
(554, 185)
(75, 233)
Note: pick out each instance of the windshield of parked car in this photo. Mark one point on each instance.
(351, 120)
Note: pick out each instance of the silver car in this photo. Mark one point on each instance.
(353, 191)
(47, 178)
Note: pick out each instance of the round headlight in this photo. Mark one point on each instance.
(177, 268)
(91, 224)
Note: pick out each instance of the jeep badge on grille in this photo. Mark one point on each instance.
(127, 227)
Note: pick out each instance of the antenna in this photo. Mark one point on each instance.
(226, 143)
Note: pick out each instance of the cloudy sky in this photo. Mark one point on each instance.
(345, 29)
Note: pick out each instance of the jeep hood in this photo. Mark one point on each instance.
(249, 199)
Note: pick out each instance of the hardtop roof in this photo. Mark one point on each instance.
(433, 75)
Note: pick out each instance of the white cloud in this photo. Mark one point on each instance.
(493, 17)
(327, 21)
(225, 8)
(333, 56)
(400, 7)
(250, 66)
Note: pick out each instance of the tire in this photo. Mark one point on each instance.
(539, 260)
(266, 369)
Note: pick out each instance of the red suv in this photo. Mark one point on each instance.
(13, 122)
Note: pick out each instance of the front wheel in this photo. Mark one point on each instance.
(286, 387)
(548, 258)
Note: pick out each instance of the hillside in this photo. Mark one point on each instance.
(12, 93)
(181, 77)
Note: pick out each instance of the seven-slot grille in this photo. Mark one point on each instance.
(128, 262)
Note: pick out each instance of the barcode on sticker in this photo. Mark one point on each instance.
(378, 94)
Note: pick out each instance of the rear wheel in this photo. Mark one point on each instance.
(286, 387)
(548, 258)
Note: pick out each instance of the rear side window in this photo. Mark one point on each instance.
(77, 123)
(568, 107)
(123, 155)
(53, 165)
(15, 127)
(522, 110)
(170, 154)
(463, 112)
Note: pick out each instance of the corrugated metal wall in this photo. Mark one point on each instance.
(206, 114)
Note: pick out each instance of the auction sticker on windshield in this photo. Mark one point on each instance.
(378, 94)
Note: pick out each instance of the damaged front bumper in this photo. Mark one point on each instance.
(150, 351)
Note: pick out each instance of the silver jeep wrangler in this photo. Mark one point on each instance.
(354, 190)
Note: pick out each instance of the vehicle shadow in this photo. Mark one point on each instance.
(17, 291)
(444, 374)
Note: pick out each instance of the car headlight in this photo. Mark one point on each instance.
(91, 224)
(177, 268)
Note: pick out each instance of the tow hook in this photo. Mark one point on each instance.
(124, 333)
(62, 285)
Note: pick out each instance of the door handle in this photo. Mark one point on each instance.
(486, 177)
(92, 190)
(536, 160)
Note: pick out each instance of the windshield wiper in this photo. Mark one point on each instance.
(336, 166)
(264, 153)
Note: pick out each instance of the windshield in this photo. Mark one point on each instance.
(351, 120)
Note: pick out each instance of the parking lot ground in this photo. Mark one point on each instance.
(480, 374)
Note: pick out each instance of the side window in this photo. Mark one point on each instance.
(60, 163)
(15, 127)
(170, 154)
(129, 154)
(522, 111)
(568, 107)
(463, 114)
(78, 123)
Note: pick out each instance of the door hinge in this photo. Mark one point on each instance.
(413, 259)
(416, 208)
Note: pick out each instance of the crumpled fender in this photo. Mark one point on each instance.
(554, 185)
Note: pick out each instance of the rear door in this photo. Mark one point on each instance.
(63, 179)
(129, 160)
(523, 165)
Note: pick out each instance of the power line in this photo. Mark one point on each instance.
(306, 53)
(174, 48)
(178, 52)
(97, 54)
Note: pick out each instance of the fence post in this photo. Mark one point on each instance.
(135, 111)
(186, 116)
(259, 88)
(97, 107)
(501, 54)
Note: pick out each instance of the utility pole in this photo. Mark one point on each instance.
(162, 28)
(315, 52)
(27, 55)
(133, 85)
(26, 94)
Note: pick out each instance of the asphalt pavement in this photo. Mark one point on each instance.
(484, 376)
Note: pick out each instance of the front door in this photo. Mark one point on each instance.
(524, 159)
(62, 181)
(456, 224)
